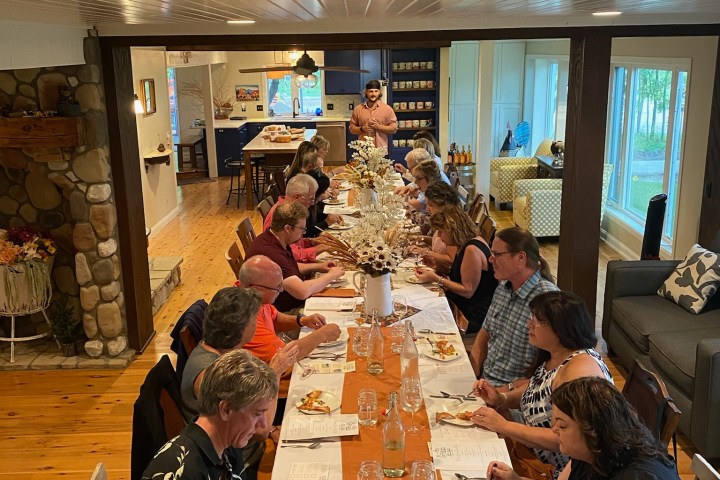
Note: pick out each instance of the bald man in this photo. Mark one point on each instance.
(265, 276)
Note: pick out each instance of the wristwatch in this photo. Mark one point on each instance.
(511, 387)
(441, 282)
(297, 319)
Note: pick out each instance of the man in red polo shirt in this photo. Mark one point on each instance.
(373, 118)
(262, 274)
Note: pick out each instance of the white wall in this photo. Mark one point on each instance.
(30, 45)
(702, 52)
(159, 184)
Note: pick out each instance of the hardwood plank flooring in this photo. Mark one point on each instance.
(59, 424)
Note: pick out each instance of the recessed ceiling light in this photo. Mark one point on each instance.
(607, 14)
(240, 22)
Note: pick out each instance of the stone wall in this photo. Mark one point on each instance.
(70, 193)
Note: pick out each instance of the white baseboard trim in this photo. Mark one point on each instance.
(619, 247)
(164, 221)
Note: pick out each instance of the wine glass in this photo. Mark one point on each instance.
(412, 398)
(422, 470)
(400, 307)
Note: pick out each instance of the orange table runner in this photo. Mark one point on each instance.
(368, 446)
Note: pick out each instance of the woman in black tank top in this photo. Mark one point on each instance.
(471, 282)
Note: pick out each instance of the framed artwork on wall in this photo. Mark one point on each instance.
(148, 89)
(247, 93)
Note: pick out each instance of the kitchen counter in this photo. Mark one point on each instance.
(278, 121)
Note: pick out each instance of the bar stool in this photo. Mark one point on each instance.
(238, 167)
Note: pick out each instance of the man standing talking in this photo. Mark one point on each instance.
(373, 118)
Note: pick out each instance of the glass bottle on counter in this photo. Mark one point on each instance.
(469, 155)
(409, 354)
(451, 154)
(376, 346)
(463, 156)
(393, 441)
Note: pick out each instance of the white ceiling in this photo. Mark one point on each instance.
(157, 17)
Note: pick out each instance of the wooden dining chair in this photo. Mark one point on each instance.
(477, 207)
(265, 206)
(279, 178)
(234, 258)
(463, 194)
(245, 233)
(488, 227)
(188, 339)
(647, 393)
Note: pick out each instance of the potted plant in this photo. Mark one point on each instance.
(66, 330)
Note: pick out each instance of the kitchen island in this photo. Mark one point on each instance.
(275, 154)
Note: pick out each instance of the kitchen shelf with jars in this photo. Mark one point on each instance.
(413, 92)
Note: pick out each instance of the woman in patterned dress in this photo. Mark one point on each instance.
(563, 331)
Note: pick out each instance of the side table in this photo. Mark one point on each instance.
(547, 168)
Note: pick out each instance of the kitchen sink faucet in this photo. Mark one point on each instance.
(296, 99)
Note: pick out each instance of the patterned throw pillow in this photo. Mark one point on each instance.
(694, 281)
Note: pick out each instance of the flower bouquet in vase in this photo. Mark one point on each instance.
(26, 258)
(367, 170)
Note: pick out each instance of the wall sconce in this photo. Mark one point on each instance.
(138, 105)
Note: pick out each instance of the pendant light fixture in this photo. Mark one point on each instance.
(305, 81)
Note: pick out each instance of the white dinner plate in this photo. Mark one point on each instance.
(345, 187)
(333, 201)
(340, 226)
(325, 398)
(456, 421)
(442, 358)
(343, 338)
(412, 278)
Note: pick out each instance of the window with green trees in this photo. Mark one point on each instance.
(645, 136)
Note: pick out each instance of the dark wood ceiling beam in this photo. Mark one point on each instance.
(416, 39)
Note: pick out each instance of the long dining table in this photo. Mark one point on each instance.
(339, 457)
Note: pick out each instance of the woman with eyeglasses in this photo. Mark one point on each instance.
(602, 434)
(471, 282)
(563, 332)
(424, 174)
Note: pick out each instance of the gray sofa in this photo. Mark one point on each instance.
(684, 349)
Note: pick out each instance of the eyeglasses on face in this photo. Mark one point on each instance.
(536, 323)
(303, 229)
(500, 254)
(274, 289)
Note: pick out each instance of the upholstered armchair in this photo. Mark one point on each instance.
(505, 170)
(537, 203)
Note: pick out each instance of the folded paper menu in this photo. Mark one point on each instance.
(458, 455)
(309, 471)
(329, 303)
(321, 426)
(337, 292)
(332, 367)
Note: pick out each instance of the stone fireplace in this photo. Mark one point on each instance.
(67, 190)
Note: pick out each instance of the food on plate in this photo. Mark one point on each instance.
(297, 136)
(282, 138)
(466, 416)
(297, 131)
(312, 403)
(274, 128)
(445, 349)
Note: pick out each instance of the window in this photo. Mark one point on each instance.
(281, 92)
(545, 101)
(645, 132)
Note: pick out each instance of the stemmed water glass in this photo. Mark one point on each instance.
(412, 398)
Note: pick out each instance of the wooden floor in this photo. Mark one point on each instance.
(61, 423)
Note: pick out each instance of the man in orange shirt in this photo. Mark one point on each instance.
(265, 276)
(373, 118)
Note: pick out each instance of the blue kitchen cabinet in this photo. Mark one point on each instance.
(370, 60)
(229, 143)
(342, 83)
